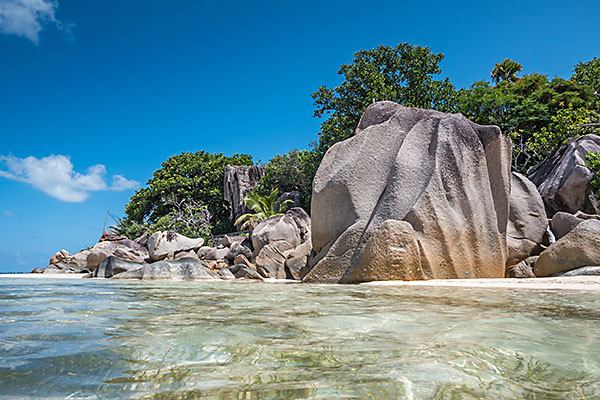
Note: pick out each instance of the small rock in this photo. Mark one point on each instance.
(578, 248)
(523, 269)
(270, 263)
(593, 270)
(242, 259)
(243, 271)
(226, 274)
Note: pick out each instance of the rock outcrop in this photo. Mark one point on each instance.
(276, 239)
(238, 181)
(178, 270)
(564, 180)
(578, 248)
(168, 243)
(527, 221)
(438, 183)
(563, 223)
(114, 265)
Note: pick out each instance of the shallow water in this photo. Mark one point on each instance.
(87, 339)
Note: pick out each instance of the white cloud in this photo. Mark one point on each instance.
(27, 18)
(54, 176)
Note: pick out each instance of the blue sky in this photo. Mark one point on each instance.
(95, 94)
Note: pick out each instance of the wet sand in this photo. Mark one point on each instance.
(587, 283)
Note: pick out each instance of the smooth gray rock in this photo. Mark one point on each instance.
(113, 266)
(294, 196)
(226, 274)
(238, 181)
(123, 249)
(296, 264)
(177, 270)
(563, 223)
(284, 232)
(527, 220)
(62, 268)
(270, 262)
(237, 249)
(592, 270)
(444, 175)
(276, 239)
(213, 253)
(578, 248)
(163, 244)
(143, 240)
(37, 271)
(563, 180)
(243, 271)
(523, 269)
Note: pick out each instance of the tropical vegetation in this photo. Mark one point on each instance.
(264, 207)
(539, 113)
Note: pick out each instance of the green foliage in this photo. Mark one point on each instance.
(186, 177)
(588, 73)
(189, 218)
(593, 163)
(264, 207)
(506, 70)
(565, 124)
(404, 74)
(289, 172)
(523, 108)
(129, 228)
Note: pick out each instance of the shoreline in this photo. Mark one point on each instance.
(581, 283)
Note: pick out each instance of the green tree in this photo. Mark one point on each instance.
(524, 110)
(588, 73)
(404, 74)
(593, 163)
(264, 207)
(289, 172)
(190, 178)
(506, 70)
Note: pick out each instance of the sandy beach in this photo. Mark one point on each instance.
(587, 283)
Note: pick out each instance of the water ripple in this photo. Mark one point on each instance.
(99, 339)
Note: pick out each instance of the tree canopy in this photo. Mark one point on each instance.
(405, 74)
(183, 180)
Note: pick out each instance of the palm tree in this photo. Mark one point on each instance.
(506, 70)
(265, 207)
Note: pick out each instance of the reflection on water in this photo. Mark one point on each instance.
(185, 340)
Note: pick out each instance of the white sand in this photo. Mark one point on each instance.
(588, 283)
(53, 276)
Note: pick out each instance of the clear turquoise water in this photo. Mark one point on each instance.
(93, 339)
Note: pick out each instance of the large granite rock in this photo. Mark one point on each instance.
(124, 248)
(563, 223)
(440, 180)
(113, 266)
(168, 243)
(62, 268)
(276, 238)
(178, 270)
(578, 248)
(527, 221)
(238, 181)
(564, 180)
